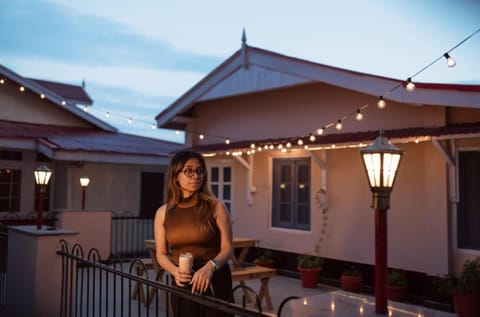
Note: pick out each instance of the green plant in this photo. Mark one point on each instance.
(264, 254)
(351, 271)
(309, 261)
(467, 283)
(397, 278)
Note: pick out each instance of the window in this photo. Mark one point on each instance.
(10, 184)
(291, 193)
(221, 184)
(468, 217)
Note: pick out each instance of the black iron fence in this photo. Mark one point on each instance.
(128, 234)
(94, 288)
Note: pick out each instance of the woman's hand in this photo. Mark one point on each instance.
(181, 277)
(201, 279)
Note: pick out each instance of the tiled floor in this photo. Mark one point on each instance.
(328, 301)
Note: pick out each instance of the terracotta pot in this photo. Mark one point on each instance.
(351, 283)
(396, 293)
(466, 305)
(309, 276)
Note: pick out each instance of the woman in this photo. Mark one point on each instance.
(193, 220)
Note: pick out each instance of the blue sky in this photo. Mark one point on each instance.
(138, 56)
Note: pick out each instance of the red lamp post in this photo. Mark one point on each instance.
(42, 176)
(84, 181)
(381, 160)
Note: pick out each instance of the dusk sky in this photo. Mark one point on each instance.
(137, 57)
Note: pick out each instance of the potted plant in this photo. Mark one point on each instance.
(464, 289)
(351, 280)
(309, 267)
(264, 258)
(396, 285)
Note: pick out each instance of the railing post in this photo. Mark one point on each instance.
(34, 271)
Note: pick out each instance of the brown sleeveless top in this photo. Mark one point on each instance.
(184, 235)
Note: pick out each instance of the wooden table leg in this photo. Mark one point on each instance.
(265, 292)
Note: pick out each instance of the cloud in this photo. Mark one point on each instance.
(150, 82)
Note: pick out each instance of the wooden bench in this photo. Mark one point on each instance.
(242, 274)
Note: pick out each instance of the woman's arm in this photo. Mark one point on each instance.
(201, 279)
(161, 248)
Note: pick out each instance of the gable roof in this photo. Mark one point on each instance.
(62, 102)
(85, 144)
(72, 93)
(253, 69)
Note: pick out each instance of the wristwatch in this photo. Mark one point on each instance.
(215, 264)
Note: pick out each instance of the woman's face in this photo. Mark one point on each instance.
(191, 176)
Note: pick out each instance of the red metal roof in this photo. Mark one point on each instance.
(352, 137)
(73, 93)
(86, 139)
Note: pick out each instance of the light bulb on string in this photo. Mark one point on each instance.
(312, 138)
(320, 131)
(2, 81)
(359, 115)
(300, 142)
(177, 132)
(85, 109)
(107, 114)
(130, 120)
(252, 146)
(288, 145)
(271, 147)
(227, 141)
(339, 125)
(154, 126)
(42, 96)
(201, 136)
(410, 85)
(381, 103)
(450, 61)
(22, 89)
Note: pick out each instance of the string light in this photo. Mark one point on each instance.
(154, 126)
(450, 61)
(410, 85)
(339, 125)
(381, 103)
(359, 115)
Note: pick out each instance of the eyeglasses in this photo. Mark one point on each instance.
(189, 172)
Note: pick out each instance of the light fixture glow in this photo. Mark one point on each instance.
(42, 96)
(320, 131)
(22, 89)
(84, 181)
(201, 136)
(227, 141)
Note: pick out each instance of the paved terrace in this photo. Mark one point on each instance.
(323, 301)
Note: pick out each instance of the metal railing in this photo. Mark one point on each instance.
(128, 234)
(93, 288)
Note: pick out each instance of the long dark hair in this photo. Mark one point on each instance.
(206, 200)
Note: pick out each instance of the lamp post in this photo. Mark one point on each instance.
(84, 181)
(42, 176)
(381, 160)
